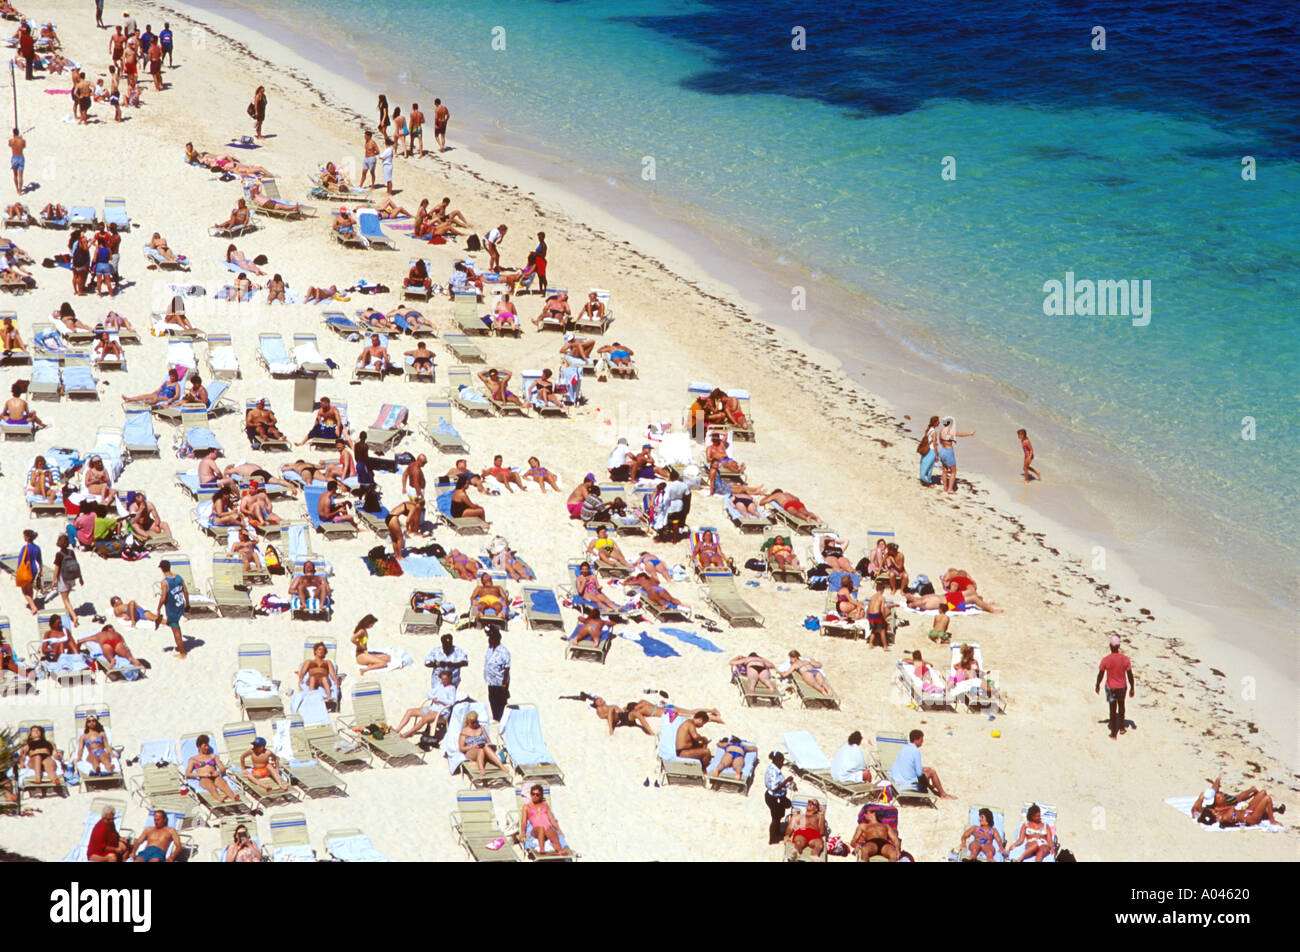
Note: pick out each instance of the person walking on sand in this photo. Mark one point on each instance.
(175, 597)
(440, 117)
(27, 48)
(368, 160)
(18, 161)
(155, 57)
(99, 14)
(30, 567)
(417, 131)
(165, 41)
(947, 455)
(257, 110)
(1028, 449)
(1114, 668)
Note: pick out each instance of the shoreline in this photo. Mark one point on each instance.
(1158, 558)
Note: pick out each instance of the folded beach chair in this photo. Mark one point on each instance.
(521, 735)
(462, 392)
(307, 357)
(541, 607)
(888, 746)
(418, 291)
(217, 402)
(809, 761)
(340, 749)
(674, 769)
(492, 776)
(238, 739)
(731, 778)
(437, 427)
(530, 377)
(367, 709)
(352, 846)
(156, 787)
(596, 325)
(200, 604)
(475, 824)
(223, 363)
(229, 588)
(423, 614)
(760, 694)
(372, 230)
(461, 347)
(289, 840)
(198, 437)
(388, 429)
(188, 747)
(45, 381)
(274, 356)
(51, 341)
(961, 854)
(82, 216)
(115, 214)
(303, 767)
(256, 691)
(532, 848)
(89, 780)
(311, 496)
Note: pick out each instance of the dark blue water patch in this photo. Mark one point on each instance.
(872, 58)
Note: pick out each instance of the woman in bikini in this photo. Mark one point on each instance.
(782, 553)
(399, 130)
(543, 390)
(896, 568)
(413, 510)
(389, 209)
(93, 748)
(368, 660)
(540, 475)
(318, 671)
(652, 567)
(807, 829)
(275, 290)
(159, 244)
(810, 671)
(606, 551)
(206, 767)
(658, 595)
(832, 553)
(242, 849)
(97, 483)
(984, 837)
(536, 818)
(1036, 835)
(755, 668)
(708, 554)
(473, 743)
(733, 755)
(114, 321)
(513, 565)
(42, 482)
(587, 586)
(967, 668)
(10, 339)
(846, 604)
(488, 598)
(462, 566)
(40, 756)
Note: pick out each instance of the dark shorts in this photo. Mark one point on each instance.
(439, 128)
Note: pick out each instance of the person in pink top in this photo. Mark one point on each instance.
(1114, 668)
(537, 812)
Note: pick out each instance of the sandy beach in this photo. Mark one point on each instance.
(845, 451)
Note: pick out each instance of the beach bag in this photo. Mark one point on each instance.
(272, 605)
(273, 563)
(252, 111)
(811, 623)
(24, 574)
(837, 847)
(472, 243)
(109, 548)
(923, 445)
(756, 565)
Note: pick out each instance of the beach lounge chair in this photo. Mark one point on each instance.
(759, 694)
(200, 604)
(888, 746)
(157, 259)
(82, 216)
(58, 223)
(926, 695)
(535, 851)
(580, 603)
(731, 778)
(795, 521)
(426, 619)
(26, 778)
(810, 762)
(586, 650)
(438, 429)
(342, 325)
(541, 607)
(466, 314)
(111, 361)
(521, 735)
(217, 402)
(800, 804)
(961, 854)
(461, 347)
(233, 231)
(301, 551)
(229, 587)
(1048, 814)
(720, 590)
(351, 846)
(492, 775)
(156, 787)
(289, 840)
(303, 767)
(307, 357)
(461, 524)
(674, 769)
(138, 433)
(226, 833)
(9, 563)
(274, 355)
(527, 379)
(238, 739)
(89, 780)
(223, 363)
(775, 572)
(326, 443)
(835, 625)
(120, 670)
(256, 691)
(413, 374)
(474, 822)
(12, 685)
(975, 693)
(18, 431)
(45, 381)
(550, 322)
(505, 407)
(372, 230)
(188, 747)
(94, 813)
(463, 393)
(367, 709)
(115, 214)
(38, 507)
(198, 436)
(311, 496)
(388, 429)
(275, 206)
(263, 446)
(595, 325)
(811, 697)
(70, 670)
(51, 341)
(419, 292)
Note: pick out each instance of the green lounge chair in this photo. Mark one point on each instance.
(475, 824)
(367, 709)
(462, 348)
(238, 738)
(811, 697)
(304, 770)
(720, 590)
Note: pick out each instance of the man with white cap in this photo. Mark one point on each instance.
(1114, 667)
(577, 349)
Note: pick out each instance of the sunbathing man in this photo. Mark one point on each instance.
(619, 357)
(206, 767)
(577, 349)
(790, 503)
(579, 496)
(379, 320)
(328, 424)
(462, 566)
(442, 213)
(331, 511)
(488, 598)
(733, 755)
(691, 744)
(260, 422)
(495, 381)
(633, 714)
(955, 598)
(166, 395)
(413, 510)
(318, 671)
(265, 768)
(412, 317)
(421, 358)
(312, 590)
(17, 412)
(502, 474)
(876, 838)
(806, 829)
(17, 213)
(111, 644)
(345, 467)
(155, 841)
(344, 224)
(130, 612)
(504, 314)
(555, 309)
(54, 212)
(255, 507)
(238, 216)
(641, 464)
(606, 551)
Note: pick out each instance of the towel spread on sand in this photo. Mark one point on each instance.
(691, 639)
(653, 647)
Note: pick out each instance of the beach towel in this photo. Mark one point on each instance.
(653, 647)
(390, 417)
(310, 706)
(470, 395)
(397, 657)
(354, 849)
(301, 853)
(1184, 806)
(544, 601)
(252, 684)
(521, 732)
(159, 751)
(307, 354)
(423, 566)
(691, 639)
(280, 743)
(138, 430)
(277, 357)
(223, 359)
(181, 357)
(804, 751)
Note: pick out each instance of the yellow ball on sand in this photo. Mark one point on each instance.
(995, 733)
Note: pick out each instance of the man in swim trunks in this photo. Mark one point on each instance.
(878, 614)
(421, 358)
(507, 477)
(440, 117)
(577, 349)
(17, 412)
(873, 837)
(413, 481)
(495, 381)
(311, 589)
(328, 425)
(374, 356)
(331, 510)
(488, 598)
(791, 504)
(417, 130)
(620, 357)
(156, 840)
(368, 160)
(18, 161)
(261, 423)
(265, 768)
(579, 496)
(691, 744)
(461, 468)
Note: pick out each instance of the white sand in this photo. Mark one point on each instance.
(848, 463)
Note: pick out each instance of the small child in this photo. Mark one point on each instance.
(1029, 455)
(983, 837)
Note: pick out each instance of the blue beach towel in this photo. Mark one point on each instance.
(691, 639)
(653, 647)
(522, 735)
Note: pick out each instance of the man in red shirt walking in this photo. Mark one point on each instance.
(1114, 668)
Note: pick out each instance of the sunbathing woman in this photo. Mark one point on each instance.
(810, 671)
(587, 587)
(207, 768)
(316, 295)
(130, 612)
(657, 594)
(513, 565)
(418, 276)
(159, 244)
(114, 321)
(832, 553)
(43, 482)
(781, 552)
(389, 209)
(93, 748)
(756, 669)
(10, 339)
(164, 396)
(222, 163)
(275, 290)
(733, 755)
(368, 660)
(512, 278)
(708, 554)
(318, 671)
(956, 599)
(239, 260)
(40, 757)
(846, 604)
(18, 213)
(1036, 835)
(543, 390)
(462, 566)
(107, 349)
(1248, 808)
(652, 567)
(967, 668)
(461, 506)
(54, 212)
(333, 180)
(984, 837)
(97, 482)
(606, 551)
(225, 508)
(258, 195)
(473, 743)
(68, 318)
(540, 474)
(488, 598)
